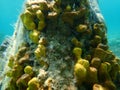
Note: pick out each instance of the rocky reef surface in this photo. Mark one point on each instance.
(59, 45)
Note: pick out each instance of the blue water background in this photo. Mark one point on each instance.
(10, 10)
(111, 12)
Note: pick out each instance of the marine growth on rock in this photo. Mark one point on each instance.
(60, 45)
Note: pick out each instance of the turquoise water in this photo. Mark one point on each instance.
(111, 12)
(110, 9)
(9, 11)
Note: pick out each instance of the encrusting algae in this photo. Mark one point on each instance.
(64, 48)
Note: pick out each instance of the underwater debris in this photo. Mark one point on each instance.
(63, 47)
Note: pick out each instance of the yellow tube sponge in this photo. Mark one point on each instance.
(40, 15)
(98, 87)
(28, 70)
(92, 75)
(95, 62)
(33, 84)
(104, 72)
(28, 20)
(34, 36)
(84, 62)
(80, 73)
(115, 68)
(77, 52)
(41, 25)
(40, 51)
(76, 42)
(68, 8)
(23, 80)
(17, 71)
(81, 28)
(110, 85)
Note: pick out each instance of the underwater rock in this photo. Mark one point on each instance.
(59, 45)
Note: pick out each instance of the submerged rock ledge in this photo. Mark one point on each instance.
(59, 45)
